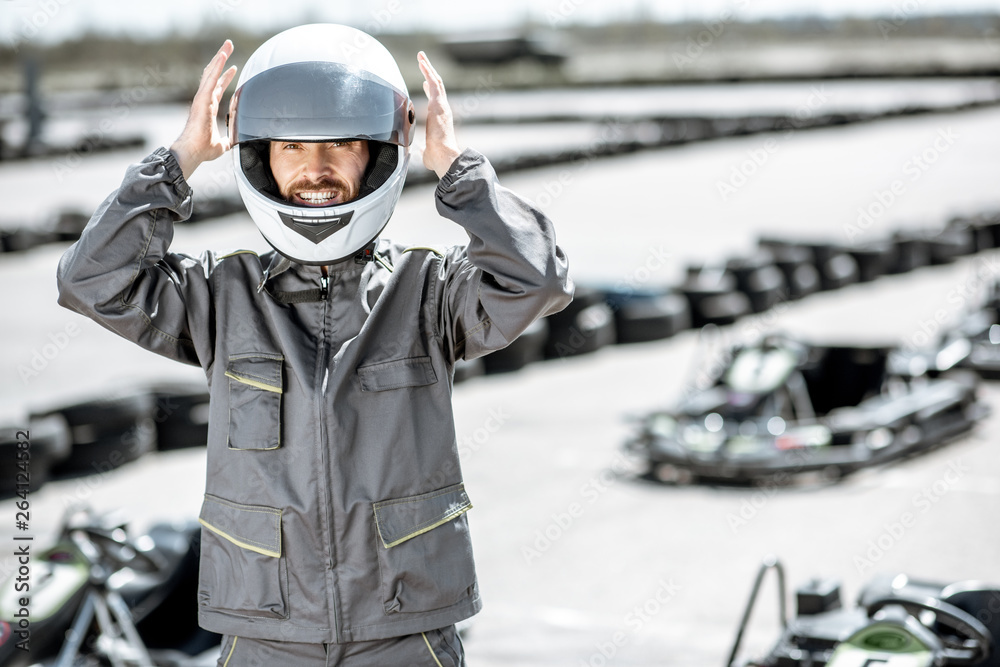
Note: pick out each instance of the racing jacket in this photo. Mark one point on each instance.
(334, 508)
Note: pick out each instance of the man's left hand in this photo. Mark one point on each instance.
(442, 147)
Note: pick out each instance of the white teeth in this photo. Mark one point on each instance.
(316, 197)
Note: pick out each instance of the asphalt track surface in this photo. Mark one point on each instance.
(580, 561)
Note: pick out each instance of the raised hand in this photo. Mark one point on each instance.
(441, 145)
(201, 141)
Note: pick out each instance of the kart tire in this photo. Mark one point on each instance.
(796, 262)
(589, 330)
(839, 270)
(646, 316)
(873, 259)
(107, 433)
(713, 297)
(990, 223)
(981, 229)
(950, 243)
(760, 279)
(836, 268)
(912, 252)
(803, 280)
(69, 224)
(48, 441)
(180, 413)
(722, 309)
(527, 348)
(585, 325)
(682, 130)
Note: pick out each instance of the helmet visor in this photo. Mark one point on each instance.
(320, 101)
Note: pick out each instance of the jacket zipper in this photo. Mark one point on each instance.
(324, 284)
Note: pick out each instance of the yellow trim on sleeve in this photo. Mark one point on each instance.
(424, 247)
(253, 383)
(240, 543)
(238, 252)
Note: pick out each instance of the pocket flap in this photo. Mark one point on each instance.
(402, 518)
(257, 370)
(412, 372)
(253, 527)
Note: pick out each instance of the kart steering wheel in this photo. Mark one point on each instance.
(122, 552)
(973, 642)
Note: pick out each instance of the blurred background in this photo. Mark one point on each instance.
(662, 138)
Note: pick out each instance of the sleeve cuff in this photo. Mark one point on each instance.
(173, 169)
(468, 160)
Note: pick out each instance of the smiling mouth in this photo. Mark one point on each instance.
(323, 198)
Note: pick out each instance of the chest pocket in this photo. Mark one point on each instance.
(255, 388)
(396, 374)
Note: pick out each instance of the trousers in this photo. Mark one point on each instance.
(434, 648)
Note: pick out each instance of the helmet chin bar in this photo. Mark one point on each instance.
(363, 256)
(316, 228)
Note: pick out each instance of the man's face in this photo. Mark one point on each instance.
(319, 173)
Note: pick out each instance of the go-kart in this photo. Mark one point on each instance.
(973, 344)
(101, 597)
(897, 622)
(781, 407)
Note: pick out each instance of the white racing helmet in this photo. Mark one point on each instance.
(321, 82)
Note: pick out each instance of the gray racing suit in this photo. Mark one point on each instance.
(334, 508)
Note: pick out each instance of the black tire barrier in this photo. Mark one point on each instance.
(24, 239)
(465, 369)
(66, 226)
(760, 279)
(107, 433)
(912, 251)
(643, 316)
(838, 271)
(674, 131)
(728, 127)
(49, 439)
(69, 225)
(713, 297)
(527, 348)
(873, 259)
(950, 243)
(584, 326)
(83, 146)
(796, 262)
(209, 208)
(722, 309)
(981, 229)
(180, 413)
(987, 229)
(836, 268)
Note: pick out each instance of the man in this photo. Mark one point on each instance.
(334, 514)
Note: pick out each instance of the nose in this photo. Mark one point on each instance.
(317, 163)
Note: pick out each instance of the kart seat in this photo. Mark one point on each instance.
(983, 602)
(843, 376)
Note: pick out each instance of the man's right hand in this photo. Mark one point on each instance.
(200, 141)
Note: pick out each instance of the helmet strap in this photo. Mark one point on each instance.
(366, 254)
